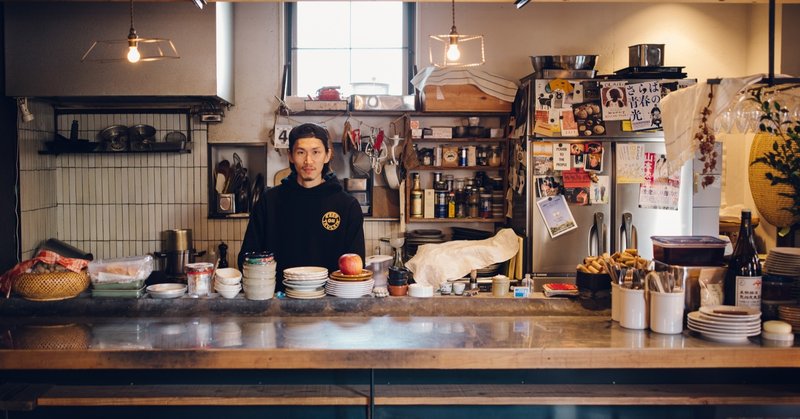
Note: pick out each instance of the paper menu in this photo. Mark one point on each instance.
(630, 163)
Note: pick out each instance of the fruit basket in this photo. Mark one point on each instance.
(50, 286)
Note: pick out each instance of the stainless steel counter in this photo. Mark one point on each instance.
(213, 341)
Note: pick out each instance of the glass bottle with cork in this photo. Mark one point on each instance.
(743, 278)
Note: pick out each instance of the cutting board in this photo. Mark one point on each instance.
(385, 202)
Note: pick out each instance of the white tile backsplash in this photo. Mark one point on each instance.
(116, 205)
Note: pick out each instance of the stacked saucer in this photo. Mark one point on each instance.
(305, 282)
(350, 286)
(790, 314)
(729, 324)
(783, 261)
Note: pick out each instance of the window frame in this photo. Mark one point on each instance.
(290, 45)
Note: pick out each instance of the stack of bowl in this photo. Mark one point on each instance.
(259, 276)
(228, 282)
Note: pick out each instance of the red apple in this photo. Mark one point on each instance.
(351, 264)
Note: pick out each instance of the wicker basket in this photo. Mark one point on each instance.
(61, 336)
(766, 196)
(50, 286)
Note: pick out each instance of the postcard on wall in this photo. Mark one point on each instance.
(569, 127)
(589, 119)
(556, 214)
(630, 163)
(561, 156)
(593, 161)
(615, 101)
(644, 101)
(600, 190)
(577, 196)
(549, 185)
(542, 159)
(544, 97)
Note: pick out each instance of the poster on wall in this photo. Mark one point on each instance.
(615, 101)
(661, 188)
(644, 101)
(630, 163)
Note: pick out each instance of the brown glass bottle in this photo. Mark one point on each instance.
(743, 278)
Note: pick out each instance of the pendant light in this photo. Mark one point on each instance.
(456, 50)
(138, 49)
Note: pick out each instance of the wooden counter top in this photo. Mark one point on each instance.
(361, 342)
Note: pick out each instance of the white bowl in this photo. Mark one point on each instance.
(229, 293)
(258, 282)
(223, 287)
(420, 291)
(228, 276)
(251, 294)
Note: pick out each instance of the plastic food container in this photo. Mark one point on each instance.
(688, 250)
(130, 270)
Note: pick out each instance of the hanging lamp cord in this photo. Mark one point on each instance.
(453, 12)
(131, 5)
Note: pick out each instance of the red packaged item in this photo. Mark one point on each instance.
(559, 289)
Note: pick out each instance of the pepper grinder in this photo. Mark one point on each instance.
(223, 255)
(473, 279)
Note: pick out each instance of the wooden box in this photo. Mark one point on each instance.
(461, 98)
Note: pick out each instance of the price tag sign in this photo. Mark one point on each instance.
(281, 139)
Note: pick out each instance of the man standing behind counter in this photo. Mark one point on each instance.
(307, 220)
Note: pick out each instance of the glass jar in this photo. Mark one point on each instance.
(460, 182)
(481, 156)
(495, 156)
(448, 179)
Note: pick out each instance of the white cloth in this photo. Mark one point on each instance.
(681, 114)
(488, 83)
(434, 264)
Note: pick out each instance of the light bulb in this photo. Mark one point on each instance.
(453, 54)
(133, 54)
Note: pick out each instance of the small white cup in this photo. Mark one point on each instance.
(458, 288)
(446, 288)
(633, 311)
(666, 312)
(615, 302)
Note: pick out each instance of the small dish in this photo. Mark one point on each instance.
(166, 290)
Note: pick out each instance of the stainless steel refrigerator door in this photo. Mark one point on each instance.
(632, 226)
(561, 254)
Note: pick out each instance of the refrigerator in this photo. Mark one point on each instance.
(623, 211)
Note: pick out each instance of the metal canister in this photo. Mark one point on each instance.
(462, 156)
(440, 207)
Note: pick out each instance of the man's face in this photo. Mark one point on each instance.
(309, 157)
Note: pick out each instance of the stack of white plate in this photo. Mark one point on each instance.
(350, 286)
(783, 261)
(730, 324)
(305, 282)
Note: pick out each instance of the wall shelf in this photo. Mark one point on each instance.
(55, 153)
(456, 220)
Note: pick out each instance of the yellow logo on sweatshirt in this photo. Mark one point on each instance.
(331, 220)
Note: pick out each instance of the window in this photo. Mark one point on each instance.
(342, 43)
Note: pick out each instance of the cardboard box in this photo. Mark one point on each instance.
(461, 98)
(442, 132)
(428, 201)
(326, 105)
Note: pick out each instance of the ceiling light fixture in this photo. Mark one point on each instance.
(454, 47)
(138, 49)
(520, 3)
(200, 3)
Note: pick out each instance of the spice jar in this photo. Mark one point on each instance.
(473, 202)
(482, 157)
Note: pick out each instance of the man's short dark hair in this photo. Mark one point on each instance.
(308, 130)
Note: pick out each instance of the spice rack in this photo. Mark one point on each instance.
(496, 173)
